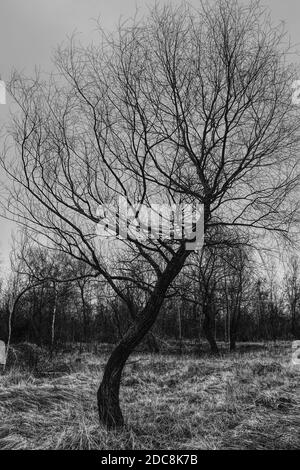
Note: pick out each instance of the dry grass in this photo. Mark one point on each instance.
(240, 401)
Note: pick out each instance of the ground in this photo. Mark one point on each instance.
(246, 400)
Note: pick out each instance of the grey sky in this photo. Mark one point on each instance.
(31, 29)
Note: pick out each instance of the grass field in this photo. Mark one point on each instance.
(248, 400)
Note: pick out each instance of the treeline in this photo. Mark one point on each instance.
(223, 294)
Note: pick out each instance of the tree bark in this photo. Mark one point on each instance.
(109, 409)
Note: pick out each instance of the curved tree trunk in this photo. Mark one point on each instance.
(150, 339)
(110, 413)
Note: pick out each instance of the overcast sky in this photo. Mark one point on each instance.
(31, 29)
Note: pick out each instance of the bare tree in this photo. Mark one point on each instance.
(18, 286)
(182, 106)
(236, 288)
(292, 292)
(207, 274)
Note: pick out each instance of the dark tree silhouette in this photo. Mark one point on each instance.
(182, 106)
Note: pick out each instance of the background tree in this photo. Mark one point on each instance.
(292, 292)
